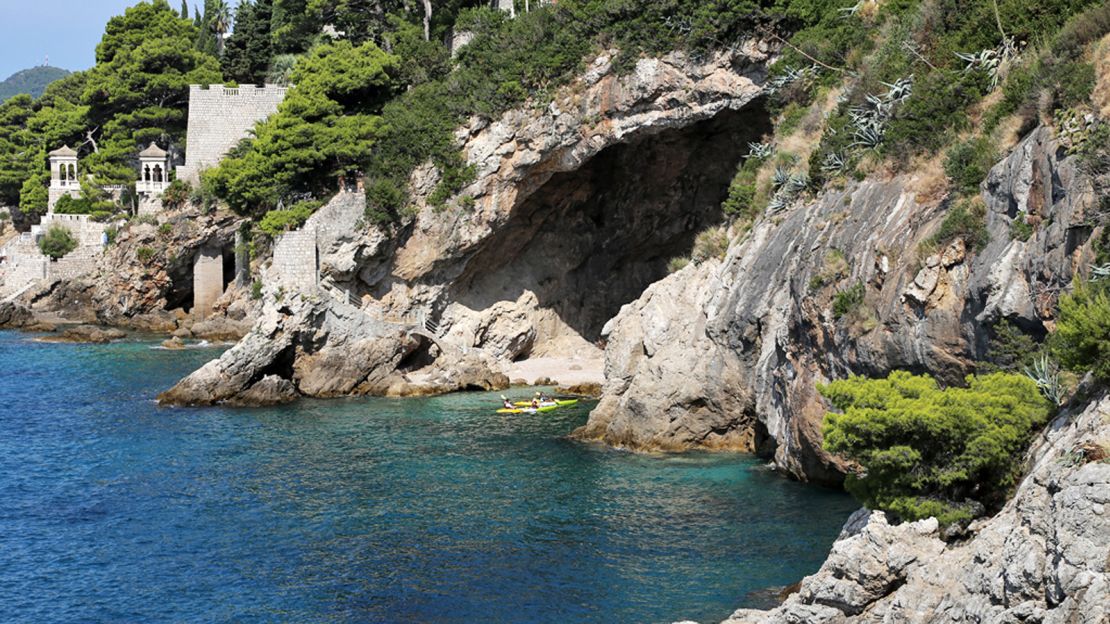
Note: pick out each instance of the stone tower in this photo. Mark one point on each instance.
(63, 176)
(220, 117)
(154, 177)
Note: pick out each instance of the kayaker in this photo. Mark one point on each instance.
(535, 403)
(545, 399)
(507, 403)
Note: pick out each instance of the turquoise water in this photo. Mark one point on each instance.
(419, 510)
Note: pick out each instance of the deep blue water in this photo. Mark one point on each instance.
(420, 510)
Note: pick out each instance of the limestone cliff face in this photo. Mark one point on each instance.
(730, 352)
(576, 207)
(1043, 558)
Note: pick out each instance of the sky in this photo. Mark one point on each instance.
(65, 30)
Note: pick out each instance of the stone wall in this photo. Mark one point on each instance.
(88, 233)
(150, 204)
(220, 117)
(295, 266)
(208, 280)
(54, 194)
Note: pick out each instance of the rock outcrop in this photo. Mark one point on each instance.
(1043, 558)
(532, 257)
(14, 315)
(732, 351)
(144, 280)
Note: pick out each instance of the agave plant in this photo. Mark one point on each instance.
(796, 183)
(899, 90)
(868, 137)
(778, 203)
(1099, 273)
(760, 151)
(846, 12)
(1046, 374)
(781, 177)
(833, 163)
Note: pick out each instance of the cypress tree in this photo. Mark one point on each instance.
(249, 49)
(184, 9)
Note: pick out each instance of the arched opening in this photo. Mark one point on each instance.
(157, 173)
(591, 240)
(146, 173)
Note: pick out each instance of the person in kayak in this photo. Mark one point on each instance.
(536, 401)
(546, 399)
(507, 403)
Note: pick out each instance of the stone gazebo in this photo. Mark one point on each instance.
(63, 176)
(154, 178)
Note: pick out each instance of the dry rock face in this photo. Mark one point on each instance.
(733, 350)
(1043, 558)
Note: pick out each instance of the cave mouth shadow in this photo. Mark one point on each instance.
(591, 240)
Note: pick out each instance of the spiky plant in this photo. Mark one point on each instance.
(1046, 374)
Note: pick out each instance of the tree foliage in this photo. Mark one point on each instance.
(926, 451)
(138, 92)
(1082, 338)
(57, 242)
(325, 128)
(246, 58)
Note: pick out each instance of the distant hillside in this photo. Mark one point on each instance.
(31, 81)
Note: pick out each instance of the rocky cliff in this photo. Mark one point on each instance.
(1043, 558)
(144, 280)
(728, 353)
(576, 207)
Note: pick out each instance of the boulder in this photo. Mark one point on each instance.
(14, 315)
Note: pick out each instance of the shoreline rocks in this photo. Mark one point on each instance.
(87, 334)
(1042, 558)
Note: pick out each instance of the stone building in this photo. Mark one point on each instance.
(154, 178)
(219, 118)
(63, 176)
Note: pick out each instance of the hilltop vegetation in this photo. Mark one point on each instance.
(31, 81)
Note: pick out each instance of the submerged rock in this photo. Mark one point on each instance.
(87, 334)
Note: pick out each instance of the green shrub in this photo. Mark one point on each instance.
(275, 222)
(927, 120)
(144, 254)
(57, 242)
(846, 301)
(968, 163)
(923, 451)
(1020, 229)
(677, 264)
(966, 220)
(712, 243)
(1075, 81)
(1082, 339)
(256, 290)
(165, 229)
(1009, 349)
(741, 200)
(176, 195)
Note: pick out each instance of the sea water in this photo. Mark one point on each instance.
(113, 509)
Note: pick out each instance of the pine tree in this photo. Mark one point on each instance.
(184, 9)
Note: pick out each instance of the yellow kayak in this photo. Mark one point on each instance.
(527, 410)
(548, 404)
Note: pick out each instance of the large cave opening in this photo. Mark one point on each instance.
(591, 240)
